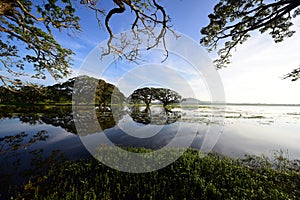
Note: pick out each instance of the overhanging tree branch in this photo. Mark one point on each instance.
(232, 22)
(148, 21)
(32, 23)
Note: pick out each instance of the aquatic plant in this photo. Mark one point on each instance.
(190, 177)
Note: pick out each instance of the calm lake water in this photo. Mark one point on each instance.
(32, 138)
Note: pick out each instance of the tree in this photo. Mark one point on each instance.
(147, 95)
(6, 95)
(106, 94)
(60, 92)
(31, 25)
(166, 96)
(144, 95)
(232, 22)
(29, 95)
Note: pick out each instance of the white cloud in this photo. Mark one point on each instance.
(257, 67)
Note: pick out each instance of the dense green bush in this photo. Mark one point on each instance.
(190, 177)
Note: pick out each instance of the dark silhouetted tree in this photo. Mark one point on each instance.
(144, 95)
(233, 21)
(166, 96)
(147, 95)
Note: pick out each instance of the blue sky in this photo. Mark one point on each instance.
(254, 75)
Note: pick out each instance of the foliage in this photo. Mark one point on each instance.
(144, 95)
(32, 24)
(28, 30)
(62, 93)
(294, 75)
(233, 21)
(147, 95)
(190, 177)
(166, 96)
(107, 94)
(104, 93)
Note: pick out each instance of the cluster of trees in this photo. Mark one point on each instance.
(58, 93)
(104, 95)
(147, 95)
(62, 92)
(25, 94)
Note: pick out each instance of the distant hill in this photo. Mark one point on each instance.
(193, 101)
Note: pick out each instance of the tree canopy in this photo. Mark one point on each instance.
(233, 21)
(166, 96)
(31, 25)
(147, 95)
(105, 93)
(27, 37)
(143, 94)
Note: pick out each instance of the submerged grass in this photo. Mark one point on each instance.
(190, 177)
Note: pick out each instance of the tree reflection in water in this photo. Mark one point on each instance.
(20, 141)
(58, 116)
(22, 159)
(62, 116)
(97, 121)
(154, 115)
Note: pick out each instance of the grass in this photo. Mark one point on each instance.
(190, 177)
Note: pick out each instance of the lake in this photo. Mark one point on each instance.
(33, 138)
